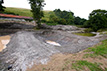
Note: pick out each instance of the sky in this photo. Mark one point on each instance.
(80, 8)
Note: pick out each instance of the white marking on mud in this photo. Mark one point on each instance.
(53, 43)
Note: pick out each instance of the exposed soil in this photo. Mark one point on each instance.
(63, 62)
(3, 41)
(54, 47)
(29, 48)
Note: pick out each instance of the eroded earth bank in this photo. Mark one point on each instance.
(26, 49)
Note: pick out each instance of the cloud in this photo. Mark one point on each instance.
(17, 3)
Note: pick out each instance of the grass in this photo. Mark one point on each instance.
(25, 12)
(18, 11)
(52, 24)
(79, 65)
(102, 30)
(47, 15)
(99, 50)
(85, 34)
(103, 33)
(79, 26)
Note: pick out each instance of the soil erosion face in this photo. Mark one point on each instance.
(28, 48)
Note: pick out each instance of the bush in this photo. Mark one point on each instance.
(97, 20)
(102, 30)
(88, 30)
(43, 20)
(62, 21)
(52, 24)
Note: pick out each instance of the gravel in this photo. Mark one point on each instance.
(28, 48)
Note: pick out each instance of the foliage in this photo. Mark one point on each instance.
(79, 21)
(62, 21)
(97, 20)
(102, 30)
(53, 18)
(52, 24)
(79, 65)
(37, 7)
(47, 14)
(99, 49)
(65, 17)
(1, 6)
(88, 30)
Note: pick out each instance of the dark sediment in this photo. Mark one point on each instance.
(28, 48)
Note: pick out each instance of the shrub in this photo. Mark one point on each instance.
(88, 30)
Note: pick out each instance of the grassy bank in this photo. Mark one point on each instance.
(25, 12)
(18, 11)
(100, 50)
(96, 52)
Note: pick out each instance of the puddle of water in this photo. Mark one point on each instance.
(53, 43)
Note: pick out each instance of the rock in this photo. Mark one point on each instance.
(62, 27)
(28, 48)
(24, 50)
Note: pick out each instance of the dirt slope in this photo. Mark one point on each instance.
(28, 48)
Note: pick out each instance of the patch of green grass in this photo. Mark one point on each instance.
(19, 11)
(99, 50)
(52, 24)
(79, 65)
(102, 30)
(79, 26)
(103, 33)
(26, 12)
(47, 15)
(85, 34)
(89, 55)
(43, 69)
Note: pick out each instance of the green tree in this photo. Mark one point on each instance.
(79, 21)
(37, 7)
(69, 18)
(65, 17)
(53, 18)
(57, 12)
(97, 20)
(1, 6)
(62, 21)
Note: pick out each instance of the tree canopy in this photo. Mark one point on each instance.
(97, 20)
(1, 6)
(37, 7)
(79, 21)
(65, 18)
